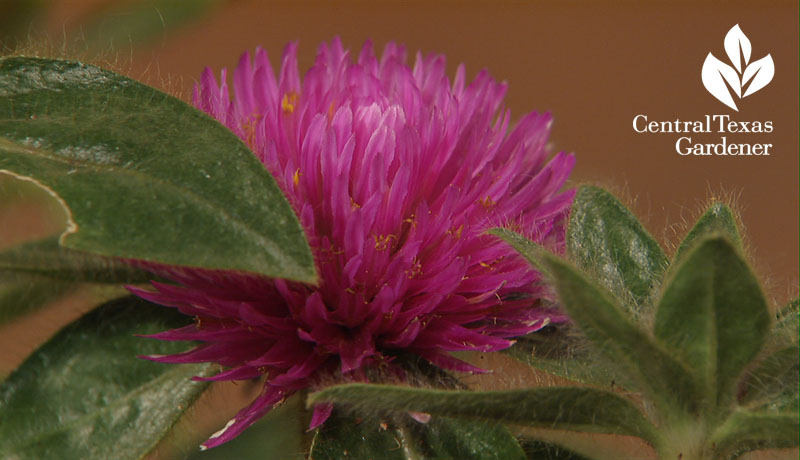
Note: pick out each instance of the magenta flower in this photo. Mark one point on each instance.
(395, 173)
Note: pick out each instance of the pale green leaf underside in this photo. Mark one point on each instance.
(746, 431)
(48, 258)
(568, 408)
(552, 351)
(713, 316)
(21, 294)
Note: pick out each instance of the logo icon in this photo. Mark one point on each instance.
(744, 78)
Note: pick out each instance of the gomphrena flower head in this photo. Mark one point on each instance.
(395, 173)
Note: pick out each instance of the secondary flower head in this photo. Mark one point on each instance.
(395, 173)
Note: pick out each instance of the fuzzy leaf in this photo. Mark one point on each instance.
(567, 408)
(713, 315)
(144, 175)
(444, 437)
(543, 450)
(86, 393)
(605, 240)
(552, 350)
(644, 362)
(46, 257)
(345, 436)
(718, 219)
(22, 294)
(787, 321)
(363, 437)
(525, 247)
(773, 384)
(747, 431)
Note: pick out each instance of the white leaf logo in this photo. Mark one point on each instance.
(737, 45)
(761, 72)
(744, 77)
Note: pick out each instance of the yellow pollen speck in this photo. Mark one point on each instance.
(289, 101)
(296, 177)
(249, 128)
(412, 221)
(382, 242)
(487, 203)
(456, 233)
(415, 269)
(331, 111)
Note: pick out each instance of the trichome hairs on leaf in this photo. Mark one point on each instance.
(676, 231)
(121, 60)
(644, 215)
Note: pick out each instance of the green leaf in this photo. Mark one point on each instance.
(746, 431)
(643, 361)
(357, 436)
(773, 384)
(787, 323)
(713, 315)
(447, 438)
(144, 175)
(543, 450)
(566, 408)
(278, 435)
(23, 294)
(605, 240)
(549, 349)
(525, 247)
(717, 220)
(86, 393)
(345, 436)
(553, 350)
(46, 257)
